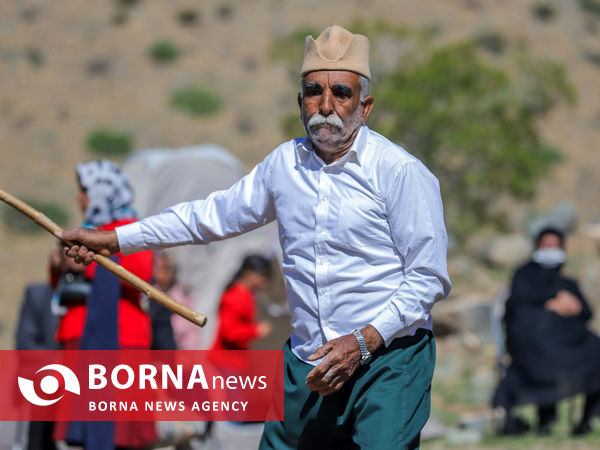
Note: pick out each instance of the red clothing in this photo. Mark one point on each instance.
(237, 319)
(134, 325)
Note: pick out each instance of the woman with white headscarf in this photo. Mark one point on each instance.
(112, 317)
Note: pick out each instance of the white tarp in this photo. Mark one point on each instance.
(164, 177)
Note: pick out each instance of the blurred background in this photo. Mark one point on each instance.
(498, 98)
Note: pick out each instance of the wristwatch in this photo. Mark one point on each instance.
(365, 354)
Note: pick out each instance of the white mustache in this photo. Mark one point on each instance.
(333, 119)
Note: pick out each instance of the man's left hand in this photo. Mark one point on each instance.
(341, 358)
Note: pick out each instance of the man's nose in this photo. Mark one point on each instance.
(326, 105)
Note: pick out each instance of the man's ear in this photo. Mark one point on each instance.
(368, 104)
(300, 99)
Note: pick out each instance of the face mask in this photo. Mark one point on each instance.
(549, 257)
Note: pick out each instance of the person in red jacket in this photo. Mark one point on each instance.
(237, 311)
(112, 317)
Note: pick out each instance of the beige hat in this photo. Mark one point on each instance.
(337, 49)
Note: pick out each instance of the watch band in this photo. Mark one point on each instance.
(365, 354)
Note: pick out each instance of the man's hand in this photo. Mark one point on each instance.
(341, 358)
(564, 304)
(87, 241)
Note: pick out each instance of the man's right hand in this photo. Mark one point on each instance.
(87, 242)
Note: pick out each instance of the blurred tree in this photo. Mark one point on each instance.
(591, 7)
(472, 126)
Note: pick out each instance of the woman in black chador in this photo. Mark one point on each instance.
(553, 353)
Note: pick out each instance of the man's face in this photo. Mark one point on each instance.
(331, 109)
(549, 240)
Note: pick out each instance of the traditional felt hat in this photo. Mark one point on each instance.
(337, 49)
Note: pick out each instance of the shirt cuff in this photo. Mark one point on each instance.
(389, 326)
(130, 238)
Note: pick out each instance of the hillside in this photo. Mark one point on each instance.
(68, 67)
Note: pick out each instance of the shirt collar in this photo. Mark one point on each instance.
(305, 148)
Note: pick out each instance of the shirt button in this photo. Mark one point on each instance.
(319, 229)
(324, 199)
(326, 323)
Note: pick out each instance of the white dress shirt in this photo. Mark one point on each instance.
(363, 238)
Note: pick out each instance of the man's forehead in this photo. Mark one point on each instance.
(331, 77)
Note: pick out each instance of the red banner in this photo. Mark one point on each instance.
(141, 385)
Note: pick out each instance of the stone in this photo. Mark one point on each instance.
(508, 251)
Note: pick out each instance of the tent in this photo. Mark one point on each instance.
(164, 177)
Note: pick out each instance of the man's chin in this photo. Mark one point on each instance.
(321, 136)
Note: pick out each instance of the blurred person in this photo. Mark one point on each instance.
(37, 323)
(36, 328)
(364, 259)
(160, 316)
(553, 354)
(184, 333)
(237, 310)
(237, 326)
(112, 317)
(170, 332)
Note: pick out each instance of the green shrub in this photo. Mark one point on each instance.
(127, 3)
(590, 6)
(195, 100)
(110, 143)
(543, 11)
(119, 18)
(492, 41)
(163, 52)
(17, 221)
(188, 17)
(224, 12)
(35, 57)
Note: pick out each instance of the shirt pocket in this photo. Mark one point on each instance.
(361, 222)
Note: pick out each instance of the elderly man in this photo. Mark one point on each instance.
(364, 257)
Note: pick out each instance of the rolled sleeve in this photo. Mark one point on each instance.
(416, 219)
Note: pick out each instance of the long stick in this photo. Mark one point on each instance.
(108, 264)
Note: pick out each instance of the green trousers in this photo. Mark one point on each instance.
(383, 406)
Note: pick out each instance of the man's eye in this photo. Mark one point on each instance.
(343, 93)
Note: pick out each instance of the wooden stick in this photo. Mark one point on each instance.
(108, 264)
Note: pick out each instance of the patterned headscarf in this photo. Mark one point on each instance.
(110, 195)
